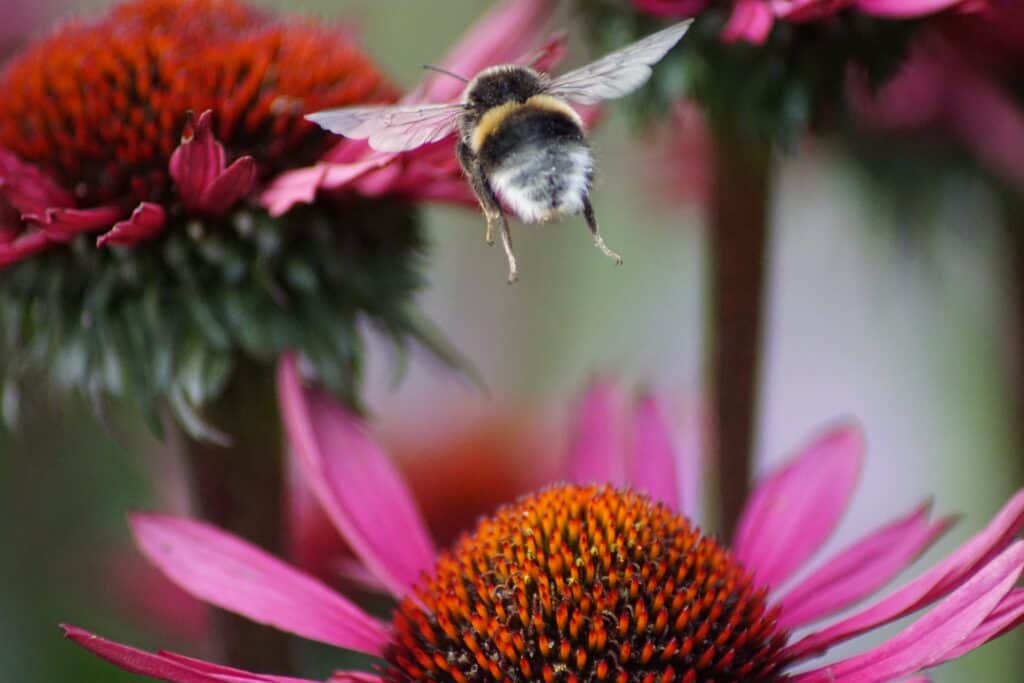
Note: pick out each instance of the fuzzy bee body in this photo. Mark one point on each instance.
(521, 145)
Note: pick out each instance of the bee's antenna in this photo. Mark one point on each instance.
(442, 70)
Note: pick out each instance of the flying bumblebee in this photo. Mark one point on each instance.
(520, 143)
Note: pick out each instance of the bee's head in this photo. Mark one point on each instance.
(500, 84)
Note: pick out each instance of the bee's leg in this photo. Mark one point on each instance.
(506, 241)
(488, 202)
(588, 215)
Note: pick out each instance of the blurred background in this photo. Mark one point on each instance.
(872, 314)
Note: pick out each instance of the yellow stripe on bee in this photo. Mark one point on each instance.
(494, 117)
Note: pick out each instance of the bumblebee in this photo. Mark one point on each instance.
(521, 145)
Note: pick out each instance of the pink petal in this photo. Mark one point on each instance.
(653, 465)
(302, 185)
(197, 161)
(927, 588)
(808, 10)
(28, 188)
(671, 8)
(751, 20)
(861, 569)
(233, 184)
(60, 225)
(230, 573)
(165, 666)
(548, 55)
(930, 639)
(1008, 615)
(354, 677)
(793, 511)
(147, 220)
(904, 9)
(356, 483)
(23, 247)
(597, 453)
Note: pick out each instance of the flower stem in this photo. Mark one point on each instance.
(240, 488)
(738, 240)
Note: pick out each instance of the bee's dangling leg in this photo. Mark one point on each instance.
(488, 202)
(588, 215)
(506, 241)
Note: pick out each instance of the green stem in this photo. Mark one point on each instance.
(738, 240)
(239, 488)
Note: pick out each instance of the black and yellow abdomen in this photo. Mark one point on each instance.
(535, 157)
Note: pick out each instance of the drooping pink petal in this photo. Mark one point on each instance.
(671, 8)
(165, 666)
(228, 572)
(236, 181)
(861, 569)
(61, 225)
(653, 465)
(927, 588)
(794, 510)
(930, 639)
(1008, 615)
(147, 220)
(197, 161)
(808, 10)
(356, 483)
(597, 452)
(28, 188)
(354, 677)
(751, 21)
(22, 247)
(904, 9)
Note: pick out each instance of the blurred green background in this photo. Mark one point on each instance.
(911, 338)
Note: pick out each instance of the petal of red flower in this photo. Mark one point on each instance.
(227, 188)
(751, 20)
(27, 245)
(197, 161)
(147, 220)
(671, 8)
(905, 9)
(60, 225)
(27, 188)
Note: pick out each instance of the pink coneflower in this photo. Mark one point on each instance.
(590, 580)
(752, 20)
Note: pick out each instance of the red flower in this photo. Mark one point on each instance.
(96, 127)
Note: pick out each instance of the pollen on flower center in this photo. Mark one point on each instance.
(586, 584)
(101, 105)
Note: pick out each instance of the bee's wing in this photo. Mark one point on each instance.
(391, 128)
(618, 73)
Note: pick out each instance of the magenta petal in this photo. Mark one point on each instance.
(597, 452)
(861, 569)
(1008, 615)
(354, 677)
(165, 666)
(23, 247)
(230, 573)
(197, 161)
(671, 8)
(27, 188)
(235, 182)
(794, 510)
(358, 486)
(653, 465)
(904, 9)
(751, 20)
(927, 588)
(930, 639)
(60, 225)
(808, 10)
(147, 220)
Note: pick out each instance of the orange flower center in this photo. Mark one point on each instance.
(102, 105)
(586, 584)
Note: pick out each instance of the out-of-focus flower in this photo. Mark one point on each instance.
(135, 152)
(600, 578)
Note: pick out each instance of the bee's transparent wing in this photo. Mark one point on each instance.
(618, 73)
(391, 128)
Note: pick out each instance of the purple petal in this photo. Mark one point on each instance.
(60, 225)
(597, 453)
(794, 510)
(165, 666)
(234, 183)
(861, 569)
(1008, 615)
(653, 465)
(232, 574)
(930, 639)
(751, 21)
(355, 482)
(23, 247)
(197, 161)
(148, 219)
(27, 188)
(927, 588)
(904, 9)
